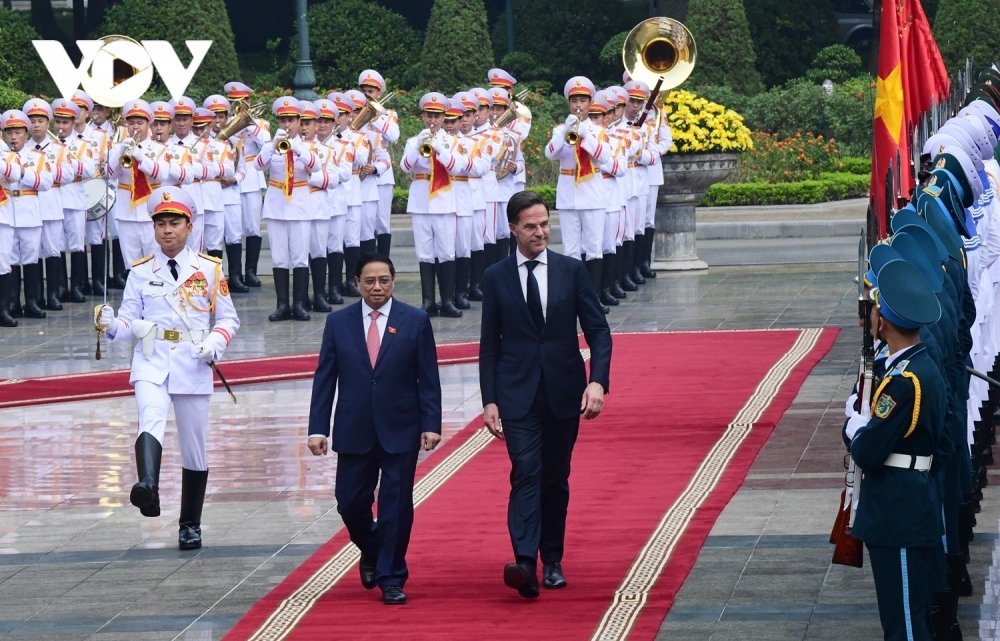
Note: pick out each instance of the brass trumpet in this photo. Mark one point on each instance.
(128, 159)
(283, 146)
(426, 150)
(573, 131)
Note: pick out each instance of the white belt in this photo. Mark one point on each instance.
(179, 335)
(909, 462)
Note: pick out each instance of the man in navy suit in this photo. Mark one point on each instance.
(534, 383)
(382, 353)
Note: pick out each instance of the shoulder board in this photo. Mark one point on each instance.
(882, 353)
(899, 368)
(144, 259)
(211, 258)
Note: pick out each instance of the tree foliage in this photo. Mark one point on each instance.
(175, 22)
(20, 66)
(349, 36)
(837, 63)
(787, 35)
(967, 29)
(457, 52)
(725, 52)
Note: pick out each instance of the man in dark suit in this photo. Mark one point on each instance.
(382, 353)
(533, 379)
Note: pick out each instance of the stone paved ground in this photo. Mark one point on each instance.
(77, 562)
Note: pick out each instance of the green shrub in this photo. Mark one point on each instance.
(725, 52)
(20, 65)
(547, 192)
(838, 63)
(348, 36)
(525, 68)
(848, 115)
(798, 106)
(829, 187)
(11, 98)
(724, 95)
(457, 52)
(787, 35)
(774, 160)
(177, 21)
(611, 54)
(967, 29)
(857, 166)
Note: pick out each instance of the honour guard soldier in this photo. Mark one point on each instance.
(252, 182)
(352, 225)
(80, 157)
(233, 215)
(49, 201)
(290, 162)
(580, 147)
(382, 131)
(342, 155)
(481, 167)
(167, 307)
(136, 163)
(521, 127)
(430, 158)
(10, 178)
(378, 162)
(213, 155)
(25, 214)
(511, 162)
(601, 112)
(899, 509)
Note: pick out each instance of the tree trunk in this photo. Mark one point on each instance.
(79, 20)
(676, 9)
(43, 19)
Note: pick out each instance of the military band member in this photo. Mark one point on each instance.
(579, 193)
(386, 131)
(80, 157)
(95, 230)
(167, 307)
(482, 166)
(521, 126)
(286, 208)
(483, 130)
(510, 163)
(185, 139)
(26, 215)
(601, 113)
(232, 215)
(251, 181)
(660, 141)
(378, 161)
(214, 157)
(430, 158)
(352, 224)
(342, 154)
(639, 163)
(10, 179)
(136, 182)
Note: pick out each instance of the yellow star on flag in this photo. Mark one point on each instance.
(889, 102)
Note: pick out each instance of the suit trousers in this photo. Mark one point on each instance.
(252, 205)
(289, 242)
(386, 540)
(74, 225)
(319, 233)
(434, 236)
(490, 222)
(382, 225)
(215, 230)
(196, 239)
(26, 245)
(234, 224)
(53, 238)
(614, 230)
(903, 587)
(582, 232)
(540, 446)
(503, 227)
(6, 248)
(478, 222)
(369, 215)
(191, 412)
(335, 237)
(654, 192)
(640, 217)
(352, 226)
(463, 238)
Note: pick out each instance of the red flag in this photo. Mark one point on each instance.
(139, 190)
(585, 166)
(440, 180)
(911, 76)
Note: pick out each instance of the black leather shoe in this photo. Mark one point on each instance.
(521, 578)
(393, 595)
(552, 576)
(189, 537)
(367, 569)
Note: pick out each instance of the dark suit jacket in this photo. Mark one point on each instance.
(397, 401)
(514, 357)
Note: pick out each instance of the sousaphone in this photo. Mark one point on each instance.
(660, 52)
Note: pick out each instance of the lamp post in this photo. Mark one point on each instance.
(510, 26)
(304, 76)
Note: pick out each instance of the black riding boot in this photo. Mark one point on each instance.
(637, 251)
(645, 267)
(6, 320)
(626, 259)
(253, 255)
(335, 263)
(15, 292)
(503, 249)
(463, 269)
(214, 253)
(351, 257)
(98, 269)
(446, 281)
(300, 293)
(384, 243)
(427, 289)
(282, 311)
(117, 266)
(63, 289)
(476, 275)
(32, 288)
(53, 271)
(489, 255)
(146, 493)
(368, 247)
(234, 253)
(318, 268)
(607, 279)
(40, 295)
(595, 269)
(192, 500)
(77, 277)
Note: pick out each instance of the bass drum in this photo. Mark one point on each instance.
(100, 198)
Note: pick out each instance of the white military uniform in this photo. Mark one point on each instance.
(252, 181)
(434, 218)
(80, 154)
(386, 132)
(10, 177)
(660, 141)
(25, 205)
(612, 173)
(342, 155)
(463, 181)
(361, 152)
(50, 201)
(135, 228)
(490, 147)
(214, 156)
(101, 144)
(170, 317)
(371, 192)
(286, 207)
(333, 170)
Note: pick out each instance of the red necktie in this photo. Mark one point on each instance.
(373, 338)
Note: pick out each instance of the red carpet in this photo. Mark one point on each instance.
(80, 387)
(686, 416)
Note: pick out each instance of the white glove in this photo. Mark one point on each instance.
(297, 146)
(571, 120)
(106, 317)
(438, 145)
(146, 164)
(849, 406)
(855, 423)
(210, 349)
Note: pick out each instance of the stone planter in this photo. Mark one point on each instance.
(686, 179)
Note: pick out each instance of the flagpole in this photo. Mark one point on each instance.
(876, 33)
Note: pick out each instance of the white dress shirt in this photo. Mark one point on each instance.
(383, 319)
(541, 273)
